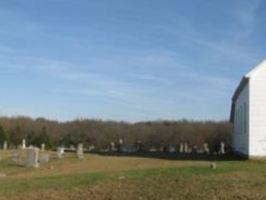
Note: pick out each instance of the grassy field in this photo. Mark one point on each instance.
(113, 177)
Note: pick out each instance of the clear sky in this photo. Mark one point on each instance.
(127, 60)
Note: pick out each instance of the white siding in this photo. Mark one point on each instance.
(241, 125)
(250, 115)
(257, 140)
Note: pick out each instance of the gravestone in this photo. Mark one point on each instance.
(43, 147)
(200, 151)
(91, 148)
(181, 148)
(120, 144)
(15, 157)
(121, 141)
(206, 149)
(194, 149)
(152, 149)
(32, 157)
(128, 149)
(80, 151)
(23, 145)
(113, 148)
(5, 145)
(213, 166)
(44, 158)
(222, 148)
(172, 149)
(60, 152)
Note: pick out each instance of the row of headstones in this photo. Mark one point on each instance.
(22, 146)
(187, 149)
(34, 157)
(80, 151)
(60, 150)
(125, 148)
(184, 148)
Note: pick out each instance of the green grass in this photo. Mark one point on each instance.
(52, 182)
(79, 179)
(231, 180)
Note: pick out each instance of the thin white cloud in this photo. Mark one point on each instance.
(149, 77)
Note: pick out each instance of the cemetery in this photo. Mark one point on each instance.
(42, 159)
(132, 100)
(75, 173)
(32, 156)
(118, 160)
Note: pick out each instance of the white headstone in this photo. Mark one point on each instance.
(213, 166)
(181, 148)
(5, 145)
(32, 157)
(15, 157)
(43, 147)
(44, 158)
(80, 151)
(60, 152)
(152, 149)
(206, 149)
(222, 150)
(23, 146)
(91, 148)
(194, 149)
(113, 148)
(172, 149)
(121, 141)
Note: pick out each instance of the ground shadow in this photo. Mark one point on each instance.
(177, 156)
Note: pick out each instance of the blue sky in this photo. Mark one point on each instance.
(127, 60)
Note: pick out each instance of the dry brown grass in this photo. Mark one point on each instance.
(96, 163)
(102, 178)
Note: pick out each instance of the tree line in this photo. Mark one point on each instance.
(152, 134)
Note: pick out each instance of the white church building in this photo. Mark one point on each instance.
(248, 114)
